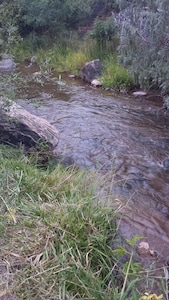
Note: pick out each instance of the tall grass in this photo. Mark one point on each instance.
(55, 236)
(115, 76)
(71, 61)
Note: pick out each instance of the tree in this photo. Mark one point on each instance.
(42, 14)
(9, 30)
(103, 32)
(77, 10)
(52, 15)
(144, 42)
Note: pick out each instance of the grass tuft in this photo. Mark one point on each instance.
(116, 77)
(54, 235)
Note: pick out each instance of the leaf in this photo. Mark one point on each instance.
(120, 251)
(133, 241)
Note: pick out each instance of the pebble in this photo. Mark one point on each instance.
(139, 93)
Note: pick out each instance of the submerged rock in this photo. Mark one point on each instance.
(72, 76)
(166, 164)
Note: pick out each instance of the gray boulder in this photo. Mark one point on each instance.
(6, 64)
(92, 70)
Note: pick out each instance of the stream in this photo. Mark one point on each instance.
(123, 136)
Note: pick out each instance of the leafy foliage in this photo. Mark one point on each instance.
(41, 15)
(144, 42)
(53, 15)
(103, 30)
(75, 11)
(9, 18)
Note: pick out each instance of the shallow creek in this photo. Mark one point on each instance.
(106, 132)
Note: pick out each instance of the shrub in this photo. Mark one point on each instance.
(144, 43)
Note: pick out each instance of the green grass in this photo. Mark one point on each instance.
(71, 55)
(22, 52)
(115, 76)
(72, 61)
(55, 236)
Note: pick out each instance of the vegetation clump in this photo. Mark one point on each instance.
(144, 42)
(54, 235)
(116, 77)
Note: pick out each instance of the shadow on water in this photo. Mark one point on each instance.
(119, 135)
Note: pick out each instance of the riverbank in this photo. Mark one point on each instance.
(56, 237)
(71, 55)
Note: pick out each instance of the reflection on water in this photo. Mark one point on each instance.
(129, 136)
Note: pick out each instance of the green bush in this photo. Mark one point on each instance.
(103, 32)
(144, 43)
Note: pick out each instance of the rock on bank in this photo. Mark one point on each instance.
(20, 128)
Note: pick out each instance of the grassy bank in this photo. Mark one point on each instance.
(55, 236)
(71, 55)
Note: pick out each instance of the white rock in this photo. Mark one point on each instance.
(144, 245)
(143, 248)
(36, 74)
(71, 76)
(139, 93)
(96, 83)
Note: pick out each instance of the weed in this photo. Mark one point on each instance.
(10, 84)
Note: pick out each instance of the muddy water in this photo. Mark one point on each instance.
(106, 132)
